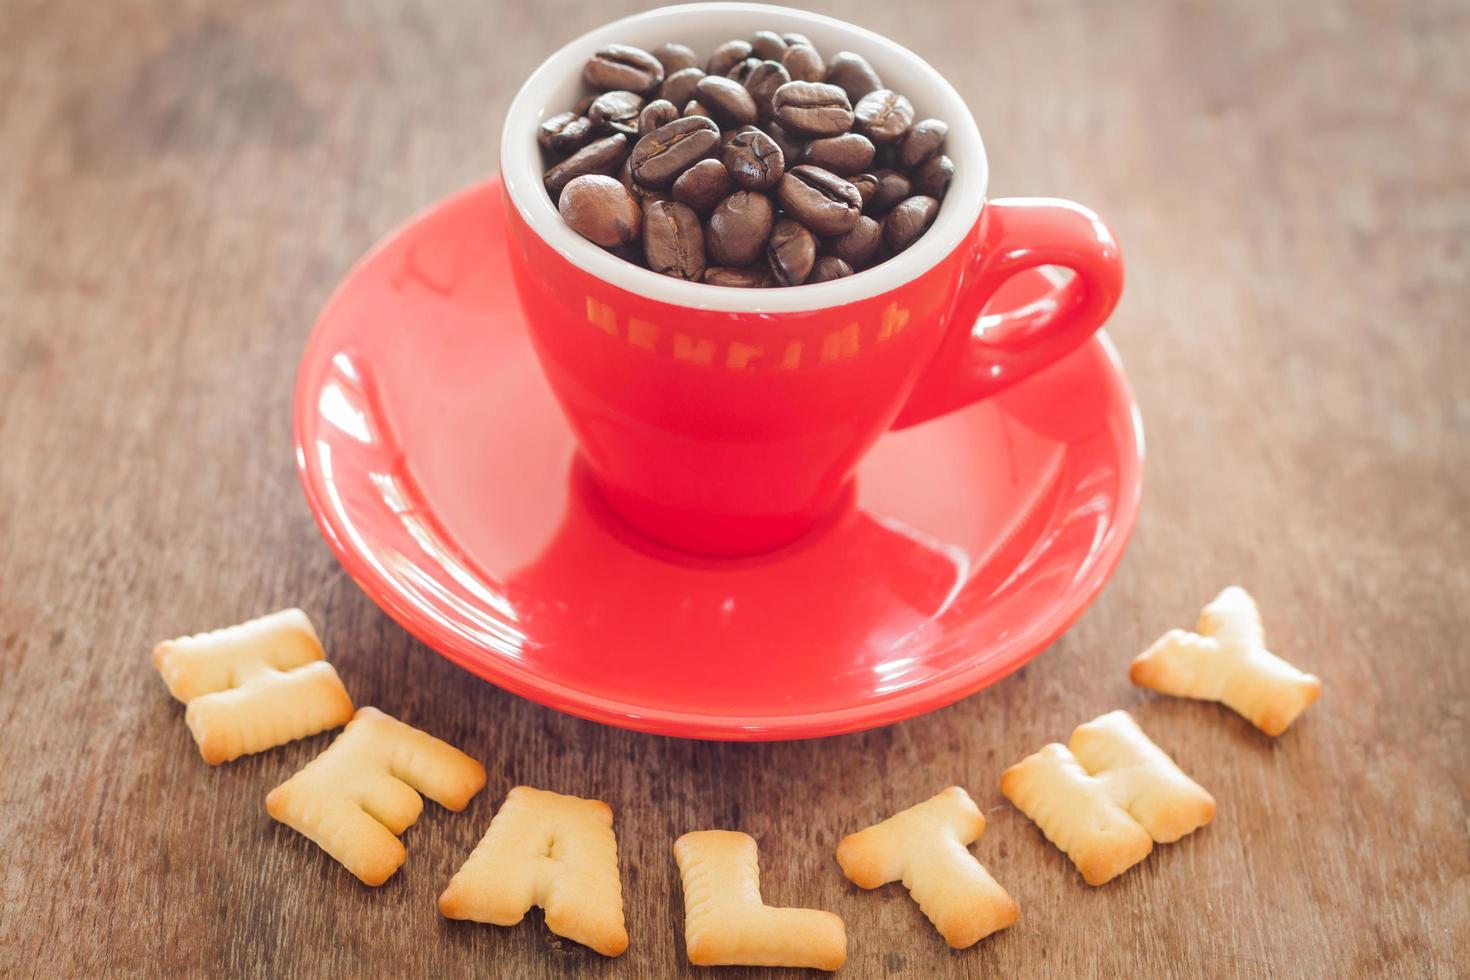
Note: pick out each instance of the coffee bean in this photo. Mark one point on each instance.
(643, 195)
(932, 179)
(739, 227)
(742, 71)
(563, 133)
(727, 56)
(704, 185)
(849, 153)
(671, 149)
(923, 141)
(812, 109)
(883, 116)
(678, 88)
(616, 112)
(892, 188)
(585, 103)
(852, 73)
(601, 210)
(696, 108)
(622, 66)
(767, 45)
(727, 99)
(749, 278)
(791, 252)
(909, 220)
(673, 241)
(790, 145)
(601, 157)
(675, 57)
(657, 113)
(867, 186)
(827, 268)
(820, 199)
(754, 160)
(792, 38)
(762, 83)
(859, 245)
(804, 63)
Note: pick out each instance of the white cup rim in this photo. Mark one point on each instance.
(521, 165)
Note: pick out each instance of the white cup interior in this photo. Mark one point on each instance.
(557, 84)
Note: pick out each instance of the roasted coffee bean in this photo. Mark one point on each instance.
(750, 278)
(616, 112)
(585, 103)
(678, 88)
(932, 179)
(892, 188)
(867, 186)
(622, 66)
(659, 112)
(727, 99)
(739, 227)
(742, 70)
(643, 195)
(671, 149)
(754, 160)
(820, 199)
(673, 241)
(812, 109)
(883, 116)
(600, 210)
(923, 141)
(791, 252)
(791, 37)
(804, 63)
(827, 268)
(762, 83)
(696, 108)
(767, 45)
(563, 133)
(726, 135)
(704, 185)
(908, 221)
(601, 157)
(859, 245)
(727, 56)
(790, 145)
(675, 57)
(849, 153)
(852, 73)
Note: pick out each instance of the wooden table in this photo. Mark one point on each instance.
(182, 183)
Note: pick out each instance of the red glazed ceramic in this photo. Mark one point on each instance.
(443, 476)
(726, 421)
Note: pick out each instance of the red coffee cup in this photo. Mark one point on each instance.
(729, 421)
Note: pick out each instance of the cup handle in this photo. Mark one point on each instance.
(1016, 234)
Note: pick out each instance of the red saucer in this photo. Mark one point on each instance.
(442, 474)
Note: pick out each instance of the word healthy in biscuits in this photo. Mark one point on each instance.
(1227, 661)
(769, 166)
(1104, 798)
(255, 686)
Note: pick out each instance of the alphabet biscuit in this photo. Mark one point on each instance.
(358, 795)
(549, 850)
(1106, 797)
(253, 686)
(727, 924)
(1227, 661)
(925, 847)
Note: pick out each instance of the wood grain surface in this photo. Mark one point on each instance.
(182, 182)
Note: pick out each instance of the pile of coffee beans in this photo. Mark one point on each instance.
(768, 166)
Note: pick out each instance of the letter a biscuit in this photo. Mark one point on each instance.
(926, 847)
(254, 686)
(358, 795)
(556, 852)
(1227, 661)
(1107, 796)
(727, 924)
